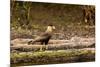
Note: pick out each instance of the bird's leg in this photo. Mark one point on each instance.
(41, 46)
(46, 47)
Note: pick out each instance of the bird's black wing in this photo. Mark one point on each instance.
(42, 37)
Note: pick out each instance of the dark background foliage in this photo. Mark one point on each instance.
(30, 18)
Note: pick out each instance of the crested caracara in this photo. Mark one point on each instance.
(44, 37)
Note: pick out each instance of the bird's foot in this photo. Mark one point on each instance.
(41, 50)
(46, 47)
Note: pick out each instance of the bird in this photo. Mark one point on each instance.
(44, 37)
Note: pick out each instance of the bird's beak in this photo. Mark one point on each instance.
(54, 27)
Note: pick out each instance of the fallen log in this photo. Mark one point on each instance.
(73, 39)
(64, 46)
(50, 57)
(25, 41)
(75, 42)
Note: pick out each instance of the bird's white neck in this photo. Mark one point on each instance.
(50, 29)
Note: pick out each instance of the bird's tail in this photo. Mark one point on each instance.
(30, 42)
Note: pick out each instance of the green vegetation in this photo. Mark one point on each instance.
(30, 18)
(48, 57)
(30, 14)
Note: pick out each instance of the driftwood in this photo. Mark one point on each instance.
(50, 47)
(25, 41)
(75, 42)
(73, 39)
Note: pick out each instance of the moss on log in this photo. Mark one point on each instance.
(50, 57)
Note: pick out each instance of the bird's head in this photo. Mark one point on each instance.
(50, 28)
